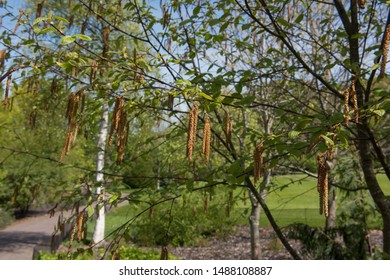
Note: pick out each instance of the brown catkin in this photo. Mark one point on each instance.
(355, 101)
(93, 72)
(32, 119)
(119, 127)
(258, 162)
(3, 54)
(228, 128)
(385, 51)
(6, 94)
(192, 124)
(322, 183)
(325, 194)
(362, 4)
(71, 115)
(80, 226)
(115, 120)
(346, 107)
(171, 99)
(206, 139)
(121, 137)
(72, 235)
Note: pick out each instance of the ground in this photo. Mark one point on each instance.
(18, 240)
(237, 246)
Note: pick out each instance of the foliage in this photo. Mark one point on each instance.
(5, 218)
(124, 253)
(348, 241)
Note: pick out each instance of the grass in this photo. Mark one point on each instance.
(291, 199)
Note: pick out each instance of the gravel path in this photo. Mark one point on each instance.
(18, 240)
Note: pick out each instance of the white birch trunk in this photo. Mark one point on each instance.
(98, 234)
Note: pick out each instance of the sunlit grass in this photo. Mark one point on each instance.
(291, 199)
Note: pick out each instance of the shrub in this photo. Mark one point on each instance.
(5, 218)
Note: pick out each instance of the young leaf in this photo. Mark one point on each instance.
(204, 95)
(328, 141)
(38, 20)
(61, 19)
(91, 211)
(82, 37)
(67, 40)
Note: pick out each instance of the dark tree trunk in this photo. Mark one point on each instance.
(383, 204)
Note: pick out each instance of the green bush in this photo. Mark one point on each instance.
(125, 253)
(347, 241)
(134, 253)
(184, 226)
(5, 218)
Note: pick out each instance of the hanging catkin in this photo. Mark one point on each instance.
(115, 119)
(93, 72)
(350, 93)
(6, 94)
(80, 226)
(346, 107)
(362, 4)
(355, 101)
(206, 139)
(72, 234)
(385, 51)
(322, 183)
(3, 54)
(171, 99)
(121, 136)
(228, 128)
(119, 128)
(258, 162)
(71, 116)
(192, 123)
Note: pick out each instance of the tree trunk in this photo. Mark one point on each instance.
(98, 234)
(254, 222)
(382, 203)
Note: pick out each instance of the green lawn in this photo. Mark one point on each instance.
(291, 199)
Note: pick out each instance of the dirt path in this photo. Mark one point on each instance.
(18, 240)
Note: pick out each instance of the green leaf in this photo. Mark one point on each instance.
(375, 66)
(183, 83)
(299, 19)
(61, 19)
(204, 95)
(46, 30)
(196, 10)
(82, 37)
(67, 40)
(284, 22)
(38, 20)
(238, 87)
(293, 134)
(91, 211)
(246, 100)
(62, 64)
(379, 113)
(328, 141)
(113, 198)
